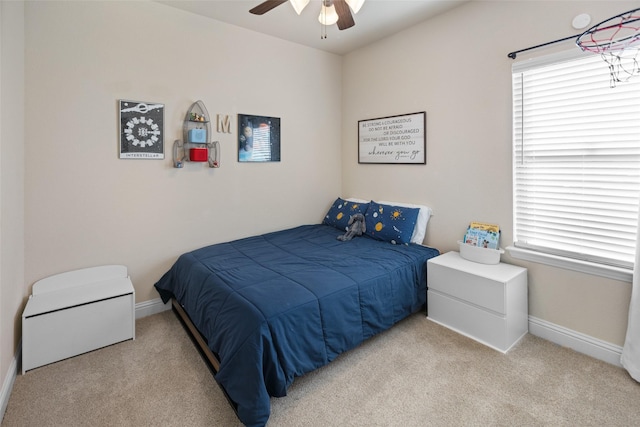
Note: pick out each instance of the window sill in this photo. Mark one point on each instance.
(616, 273)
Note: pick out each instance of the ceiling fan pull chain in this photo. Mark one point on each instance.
(323, 28)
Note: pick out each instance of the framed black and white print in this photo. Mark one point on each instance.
(258, 138)
(141, 130)
(398, 139)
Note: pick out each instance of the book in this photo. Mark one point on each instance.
(483, 235)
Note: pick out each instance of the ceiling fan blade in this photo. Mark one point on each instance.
(266, 6)
(345, 19)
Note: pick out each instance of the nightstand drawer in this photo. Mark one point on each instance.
(472, 288)
(475, 323)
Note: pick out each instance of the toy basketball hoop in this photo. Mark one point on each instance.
(610, 39)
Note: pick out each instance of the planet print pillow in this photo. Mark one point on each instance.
(340, 212)
(389, 223)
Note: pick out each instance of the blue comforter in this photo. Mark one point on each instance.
(279, 305)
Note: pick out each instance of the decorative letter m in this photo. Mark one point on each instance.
(224, 124)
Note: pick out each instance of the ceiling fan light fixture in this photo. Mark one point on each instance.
(299, 5)
(355, 5)
(328, 15)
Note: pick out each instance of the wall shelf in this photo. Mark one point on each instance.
(196, 145)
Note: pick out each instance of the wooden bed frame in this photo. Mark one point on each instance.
(200, 342)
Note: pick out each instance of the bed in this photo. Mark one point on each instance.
(273, 307)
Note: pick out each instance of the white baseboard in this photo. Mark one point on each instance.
(7, 384)
(143, 309)
(153, 306)
(577, 341)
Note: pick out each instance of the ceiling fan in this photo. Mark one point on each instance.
(332, 11)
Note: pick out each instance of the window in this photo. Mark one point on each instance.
(576, 160)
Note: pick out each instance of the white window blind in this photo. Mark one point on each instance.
(576, 160)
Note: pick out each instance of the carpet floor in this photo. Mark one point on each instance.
(416, 374)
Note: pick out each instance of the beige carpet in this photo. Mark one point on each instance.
(416, 374)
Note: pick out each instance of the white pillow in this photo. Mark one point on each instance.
(353, 199)
(420, 229)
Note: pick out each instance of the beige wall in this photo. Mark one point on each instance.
(85, 207)
(455, 67)
(12, 291)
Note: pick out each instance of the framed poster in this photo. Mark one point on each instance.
(141, 130)
(393, 140)
(258, 138)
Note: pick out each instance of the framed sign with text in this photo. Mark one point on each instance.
(393, 140)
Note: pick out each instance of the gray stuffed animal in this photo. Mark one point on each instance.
(356, 227)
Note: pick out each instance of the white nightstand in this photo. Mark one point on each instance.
(485, 302)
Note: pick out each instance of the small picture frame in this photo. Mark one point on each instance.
(141, 130)
(258, 138)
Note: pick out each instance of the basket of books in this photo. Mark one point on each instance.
(481, 243)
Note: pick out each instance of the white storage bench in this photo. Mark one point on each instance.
(76, 312)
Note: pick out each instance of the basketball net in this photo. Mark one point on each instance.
(617, 40)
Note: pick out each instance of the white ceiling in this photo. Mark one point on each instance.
(376, 20)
